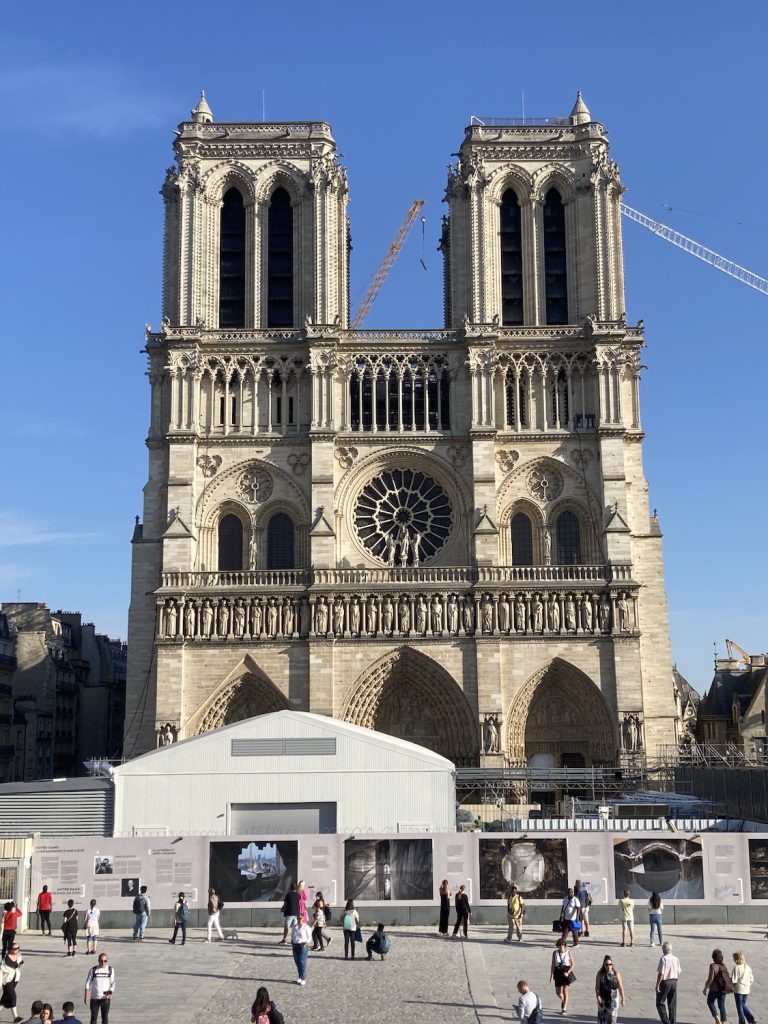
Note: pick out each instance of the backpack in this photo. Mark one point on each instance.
(722, 980)
(349, 922)
(184, 912)
(139, 905)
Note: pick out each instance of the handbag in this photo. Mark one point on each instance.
(358, 934)
(557, 926)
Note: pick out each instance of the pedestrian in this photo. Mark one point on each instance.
(743, 980)
(463, 912)
(515, 911)
(180, 918)
(303, 895)
(445, 908)
(378, 943)
(655, 910)
(214, 910)
(99, 989)
(141, 911)
(300, 937)
(667, 975)
(528, 1005)
(68, 1014)
(716, 987)
(627, 914)
(11, 915)
(69, 926)
(264, 1010)
(92, 916)
(351, 923)
(609, 989)
(10, 976)
(585, 902)
(570, 909)
(318, 924)
(35, 1010)
(44, 908)
(561, 972)
(46, 1014)
(290, 910)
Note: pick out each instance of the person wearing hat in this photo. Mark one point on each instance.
(515, 911)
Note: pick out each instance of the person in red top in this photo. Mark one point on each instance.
(10, 917)
(44, 908)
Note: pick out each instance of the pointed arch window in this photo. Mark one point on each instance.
(280, 542)
(280, 260)
(555, 274)
(510, 233)
(568, 539)
(522, 540)
(230, 544)
(232, 261)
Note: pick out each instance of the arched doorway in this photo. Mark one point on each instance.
(560, 717)
(250, 695)
(408, 695)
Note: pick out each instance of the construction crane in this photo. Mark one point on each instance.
(699, 251)
(383, 269)
(733, 646)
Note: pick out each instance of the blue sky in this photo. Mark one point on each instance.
(90, 94)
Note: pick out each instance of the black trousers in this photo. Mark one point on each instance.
(103, 1005)
(461, 919)
(45, 921)
(8, 940)
(666, 1001)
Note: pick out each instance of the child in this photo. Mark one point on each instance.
(378, 943)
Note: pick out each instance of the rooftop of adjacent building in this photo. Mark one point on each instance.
(734, 680)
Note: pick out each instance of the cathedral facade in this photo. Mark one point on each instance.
(443, 535)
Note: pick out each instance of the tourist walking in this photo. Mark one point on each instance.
(215, 907)
(627, 915)
(515, 911)
(463, 911)
(180, 919)
(655, 910)
(303, 894)
(351, 923)
(11, 915)
(561, 972)
(290, 910)
(667, 975)
(69, 924)
(445, 907)
(10, 976)
(319, 921)
(99, 989)
(44, 908)
(141, 911)
(300, 938)
(264, 1010)
(717, 986)
(743, 980)
(609, 990)
(528, 1005)
(570, 911)
(585, 902)
(92, 916)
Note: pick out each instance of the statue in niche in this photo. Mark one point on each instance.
(207, 618)
(503, 612)
(304, 617)
(257, 618)
(623, 610)
(604, 613)
(453, 615)
(389, 553)
(547, 547)
(189, 619)
(273, 617)
(570, 613)
(468, 614)
(288, 617)
(554, 614)
(171, 618)
(491, 734)
(166, 735)
(373, 616)
(538, 615)
(437, 614)
(321, 617)
(239, 618)
(338, 616)
(404, 543)
(224, 618)
(586, 612)
(354, 616)
(630, 731)
(520, 614)
(421, 614)
(486, 613)
(416, 548)
(387, 616)
(404, 612)
(252, 549)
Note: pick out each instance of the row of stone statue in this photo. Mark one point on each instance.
(405, 614)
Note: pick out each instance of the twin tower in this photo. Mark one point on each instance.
(443, 535)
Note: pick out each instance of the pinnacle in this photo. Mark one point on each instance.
(580, 113)
(202, 113)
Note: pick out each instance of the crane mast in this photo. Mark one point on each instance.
(383, 269)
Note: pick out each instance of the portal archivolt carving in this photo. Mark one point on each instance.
(247, 697)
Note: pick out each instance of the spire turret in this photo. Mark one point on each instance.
(202, 113)
(580, 113)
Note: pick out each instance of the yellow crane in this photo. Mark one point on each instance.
(733, 646)
(383, 269)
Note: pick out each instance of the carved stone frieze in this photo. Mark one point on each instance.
(209, 464)
(507, 460)
(345, 455)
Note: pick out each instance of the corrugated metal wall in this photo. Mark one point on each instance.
(81, 812)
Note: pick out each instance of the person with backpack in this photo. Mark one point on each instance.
(585, 902)
(69, 924)
(264, 1010)
(180, 919)
(609, 989)
(350, 922)
(141, 912)
(377, 943)
(515, 911)
(528, 1005)
(717, 986)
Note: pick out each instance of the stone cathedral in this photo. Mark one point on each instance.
(443, 535)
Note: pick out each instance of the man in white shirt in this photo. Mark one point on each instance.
(528, 1005)
(667, 973)
(570, 913)
(99, 986)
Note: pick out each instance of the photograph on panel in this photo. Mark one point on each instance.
(538, 867)
(254, 872)
(388, 869)
(758, 868)
(674, 868)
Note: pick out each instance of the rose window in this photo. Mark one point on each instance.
(255, 485)
(545, 484)
(403, 517)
